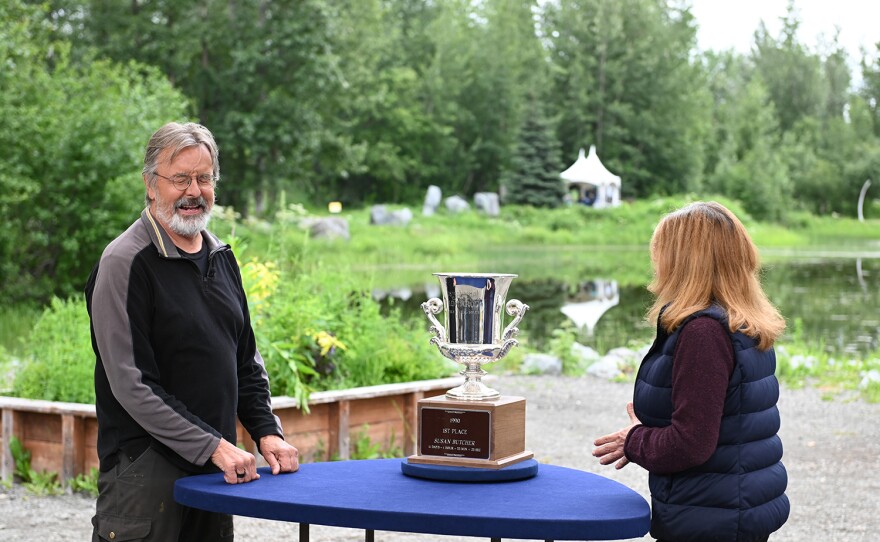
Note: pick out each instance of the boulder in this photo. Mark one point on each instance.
(488, 203)
(607, 368)
(541, 364)
(333, 227)
(433, 197)
(456, 204)
(381, 216)
(584, 354)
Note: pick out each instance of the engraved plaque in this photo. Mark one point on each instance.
(455, 433)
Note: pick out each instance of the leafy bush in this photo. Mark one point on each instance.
(40, 483)
(319, 331)
(59, 362)
(72, 137)
(86, 483)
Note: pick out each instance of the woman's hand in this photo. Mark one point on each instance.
(610, 447)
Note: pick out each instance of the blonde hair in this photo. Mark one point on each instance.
(703, 255)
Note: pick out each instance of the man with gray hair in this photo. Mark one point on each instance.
(176, 357)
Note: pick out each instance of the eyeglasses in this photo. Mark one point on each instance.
(181, 181)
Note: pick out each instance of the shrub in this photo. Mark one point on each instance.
(319, 331)
(59, 362)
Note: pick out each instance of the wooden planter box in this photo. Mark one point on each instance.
(62, 437)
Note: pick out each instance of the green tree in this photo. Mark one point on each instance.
(749, 168)
(533, 177)
(870, 91)
(263, 76)
(792, 74)
(625, 80)
(382, 108)
(811, 95)
(72, 140)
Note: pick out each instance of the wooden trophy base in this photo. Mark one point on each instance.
(488, 434)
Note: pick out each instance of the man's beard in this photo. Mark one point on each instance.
(185, 226)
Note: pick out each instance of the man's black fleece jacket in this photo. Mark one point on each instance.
(176, 354)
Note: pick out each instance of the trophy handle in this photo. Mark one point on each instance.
(507, 345)
(432, 307)
(517, 309)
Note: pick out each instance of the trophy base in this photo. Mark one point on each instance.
(473, 463)
(519, 471)
(472, 391)
(488, 434)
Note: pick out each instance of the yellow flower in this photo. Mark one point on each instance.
(260, 279)
(327, 342)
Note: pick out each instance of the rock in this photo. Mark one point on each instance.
(870, 378)
(380, 216)
(607, 368)
(333, 227)
(541, 364)
(628, 358)
(488, 203)
(797, 361)
(584, 354)
(433, 197)
(456, 204)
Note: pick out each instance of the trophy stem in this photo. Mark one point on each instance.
(473, 388)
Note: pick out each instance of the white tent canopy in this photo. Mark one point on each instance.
(588, 174)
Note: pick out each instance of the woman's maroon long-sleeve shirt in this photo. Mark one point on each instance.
(701, 369)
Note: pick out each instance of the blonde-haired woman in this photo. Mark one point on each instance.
(704, 420)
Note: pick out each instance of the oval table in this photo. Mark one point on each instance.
(557, 504)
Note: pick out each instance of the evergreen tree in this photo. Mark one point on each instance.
(533, 176)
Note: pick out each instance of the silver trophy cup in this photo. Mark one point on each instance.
(471, 331)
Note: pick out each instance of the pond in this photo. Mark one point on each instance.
(830, 303)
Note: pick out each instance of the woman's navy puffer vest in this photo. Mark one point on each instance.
(737, 495)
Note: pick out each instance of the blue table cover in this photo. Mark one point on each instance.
(559, 503)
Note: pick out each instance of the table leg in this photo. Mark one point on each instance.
(369, 535)
(303, 532)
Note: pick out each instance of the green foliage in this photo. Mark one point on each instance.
(533, 177)
(72, 136)
(606, 76)
(15, 323)
(801, 362)
(321, 331)
(363, 447)
(59, 361)
(86, 483)
(20, 457)
(39, 483)
(371, 101)
(560, 345)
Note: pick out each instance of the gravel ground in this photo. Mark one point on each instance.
(832, 453)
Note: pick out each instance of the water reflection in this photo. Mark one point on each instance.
(829, 303)
(593, 299)
(861, 275)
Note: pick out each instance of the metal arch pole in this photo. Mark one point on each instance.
(862, 199)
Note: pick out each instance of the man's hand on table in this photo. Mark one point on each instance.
(238, 466)
(281, 456)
